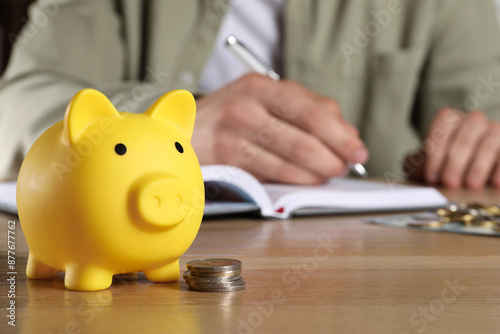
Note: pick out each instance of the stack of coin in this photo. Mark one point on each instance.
(214, 275)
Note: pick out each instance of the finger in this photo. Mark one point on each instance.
(234, 150)
(252, 121)
(336, 135)
(269, 167)
(300, 148)
(463, 147)
(278, 95)
(438, 140)
(352, 129)
(318, 116)
(485, 158)
(310, 153)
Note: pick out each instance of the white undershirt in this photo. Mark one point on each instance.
(256, 23)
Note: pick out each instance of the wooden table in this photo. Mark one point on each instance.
(309, 275)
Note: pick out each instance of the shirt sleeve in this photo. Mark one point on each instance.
(64, 47)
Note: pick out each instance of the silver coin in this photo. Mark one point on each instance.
(215, 274)
(225, 289)
(214, 265)
(428, 215)
(215, 285)
(200, 279)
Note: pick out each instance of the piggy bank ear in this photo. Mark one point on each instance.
(85, 107)
(178, 107)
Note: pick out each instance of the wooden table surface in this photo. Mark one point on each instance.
(309, 275)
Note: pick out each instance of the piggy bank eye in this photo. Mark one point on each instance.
(179, 147)
(120, 149)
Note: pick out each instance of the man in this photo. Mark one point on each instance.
(381, 77)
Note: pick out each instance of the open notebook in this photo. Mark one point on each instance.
(342, 195)
(230, 190)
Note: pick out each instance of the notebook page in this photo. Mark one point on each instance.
(8, 197)
(360, 195)
(276, 191)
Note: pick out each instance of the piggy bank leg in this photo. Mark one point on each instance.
(167, 273)
(36, 269)
(87, 278)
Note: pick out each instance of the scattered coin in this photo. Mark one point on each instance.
(487, 223)
(214, 275)
(426, 216)
(427, 224)
(467, 215)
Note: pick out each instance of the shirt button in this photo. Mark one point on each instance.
(186, 77)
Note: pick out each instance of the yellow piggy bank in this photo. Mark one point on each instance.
(106, 192)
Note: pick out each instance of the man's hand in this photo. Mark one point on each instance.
(461, 150)
(277, 130)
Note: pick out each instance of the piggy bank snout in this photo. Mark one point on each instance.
(160, 200)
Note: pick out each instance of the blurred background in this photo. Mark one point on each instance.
(13, 14)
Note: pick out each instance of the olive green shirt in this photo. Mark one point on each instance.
(391, 64)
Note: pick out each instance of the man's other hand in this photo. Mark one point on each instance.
(461, 150)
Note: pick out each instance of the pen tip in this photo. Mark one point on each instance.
(230, 40)
(359, 170)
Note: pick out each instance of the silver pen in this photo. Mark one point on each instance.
(255, 64)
